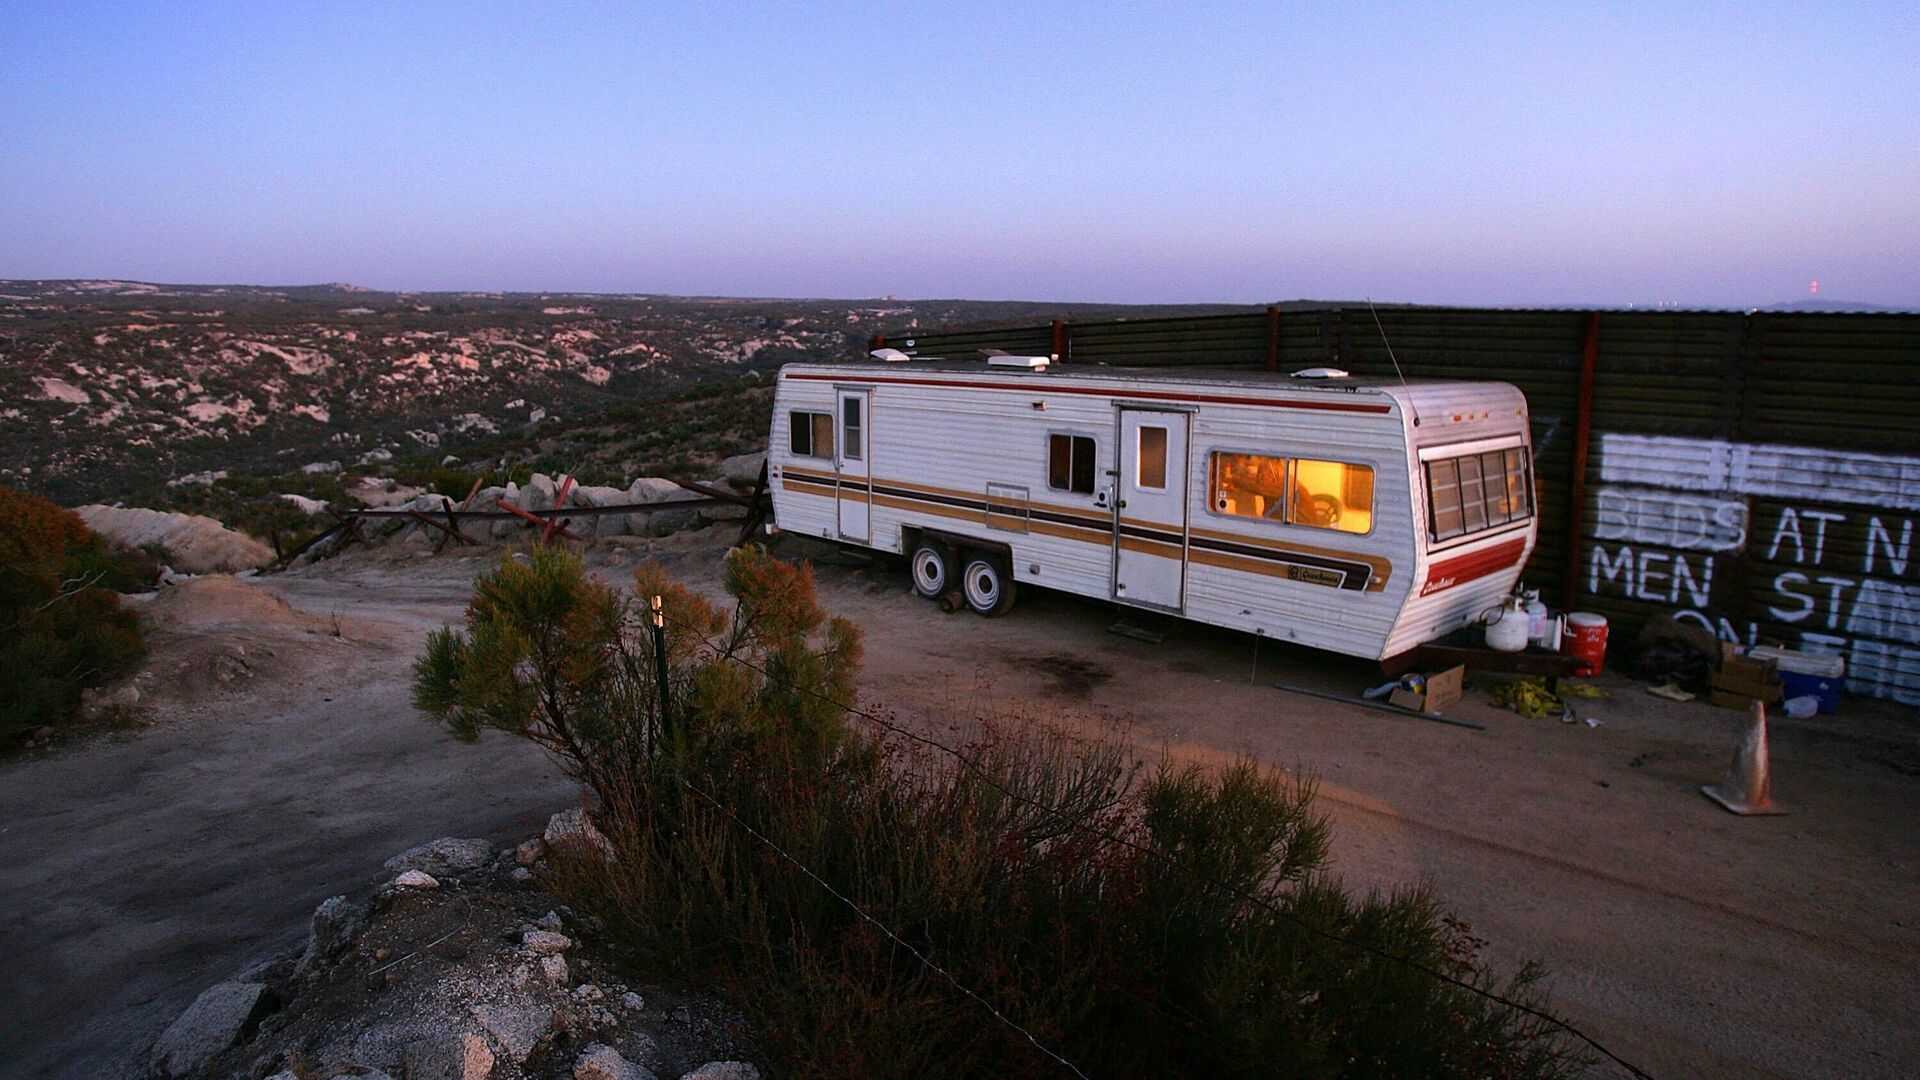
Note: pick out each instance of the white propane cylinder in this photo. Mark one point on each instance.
(1538, 620)
(1507, 631)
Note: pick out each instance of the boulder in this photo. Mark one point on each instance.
(555, 969)
(574, 829)
(447, 856)
(743, 471)
(654, 489)
(415, 879)
(538, 494)
(663, 522)
(195, 544)
(604, 524)
(335, 922)
(217, 1019)
(546, 942)
(602, 1062)
(519, 1030)
(448, 1056)
(723, 1070)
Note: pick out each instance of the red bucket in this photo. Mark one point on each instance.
(1587, 641)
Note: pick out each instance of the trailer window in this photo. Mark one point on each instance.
(1070, 463)
(1248, 485)
(1332, 495)
(850, 425)
(1152, 470)
(810, 434)
(1476, 492)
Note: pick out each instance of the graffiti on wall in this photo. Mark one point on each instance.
(1812, 546)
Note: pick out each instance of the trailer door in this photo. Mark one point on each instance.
(1150, 538)
(852, 463)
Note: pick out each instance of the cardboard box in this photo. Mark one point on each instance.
(1746, 684)
(1732, 700)
(1443, 689)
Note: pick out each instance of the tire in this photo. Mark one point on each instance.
(932, 569)
(987, 585)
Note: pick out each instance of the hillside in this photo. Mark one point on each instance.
(111, 387)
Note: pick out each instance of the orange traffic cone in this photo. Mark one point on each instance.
(1746, 789)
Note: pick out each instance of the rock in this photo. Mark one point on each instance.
(743, 471)
(518, 1029)
(663, 522)
(633, 1001)
(216, 1020)
(555, 969)
(335, 922)
(449, 1057)
(195, 544)
(359, 1072)
(572, 829)
(416, 879)
(546, 942)
(521, 874)
(537, 495)
(550, 921)
(589, 993)
(602, 1062)
(723, 512)
(447, 856)
(723, 1070)
(651, 489)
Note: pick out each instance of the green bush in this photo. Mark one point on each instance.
(62, 629)
(1171, 921)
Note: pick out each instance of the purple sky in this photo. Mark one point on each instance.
(1478, 154)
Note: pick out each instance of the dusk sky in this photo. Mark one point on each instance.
(1471, 154)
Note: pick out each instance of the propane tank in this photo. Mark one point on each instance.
(1537, 618)
(1507, 626)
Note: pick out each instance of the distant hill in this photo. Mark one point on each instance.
(1815, 303)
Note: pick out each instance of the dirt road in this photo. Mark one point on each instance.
(135, 870)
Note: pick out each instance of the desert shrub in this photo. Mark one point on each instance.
(62, 629)
(1169, 921)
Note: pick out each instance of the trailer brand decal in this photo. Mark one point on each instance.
(1248, 554)
(1447, 573)
(1112, 392)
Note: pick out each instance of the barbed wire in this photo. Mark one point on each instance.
(981, 772)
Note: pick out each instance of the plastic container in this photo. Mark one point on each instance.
(1587, 641)
(1507, 627)
(1804, 674)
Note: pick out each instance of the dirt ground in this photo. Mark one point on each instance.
(138, 868)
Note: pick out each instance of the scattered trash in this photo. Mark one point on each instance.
(1670, 691)
(1577, 689)
(1530, 697)
(1591, 722)
(1801, 707)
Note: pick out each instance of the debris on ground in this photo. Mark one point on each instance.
(1529, 696)
(1670, 691)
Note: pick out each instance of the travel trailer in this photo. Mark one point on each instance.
(1360, 516)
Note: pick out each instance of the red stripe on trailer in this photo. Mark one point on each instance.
(1464, 568)
(1055, 388)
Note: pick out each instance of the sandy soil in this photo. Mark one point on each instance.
(135, 870)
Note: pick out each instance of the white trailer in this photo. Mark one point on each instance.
(1359, 516)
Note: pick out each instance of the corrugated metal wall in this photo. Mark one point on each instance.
(1755, 473)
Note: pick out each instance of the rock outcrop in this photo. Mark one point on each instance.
(484, 977)
(194, 544)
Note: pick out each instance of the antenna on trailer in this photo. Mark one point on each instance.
(1384, 341)
(1390, 356)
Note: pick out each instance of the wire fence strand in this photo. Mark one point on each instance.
(981, 772)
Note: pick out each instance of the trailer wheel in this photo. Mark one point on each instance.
(988, 587)
(932, 569)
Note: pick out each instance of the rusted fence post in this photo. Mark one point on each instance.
(1582, 433)
(1060, 341)
(1273, 337)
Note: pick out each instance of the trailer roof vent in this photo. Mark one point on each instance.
(1321, 373)
(890, 356)
(1029, 363)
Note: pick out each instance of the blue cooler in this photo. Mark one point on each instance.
(1805, 674)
